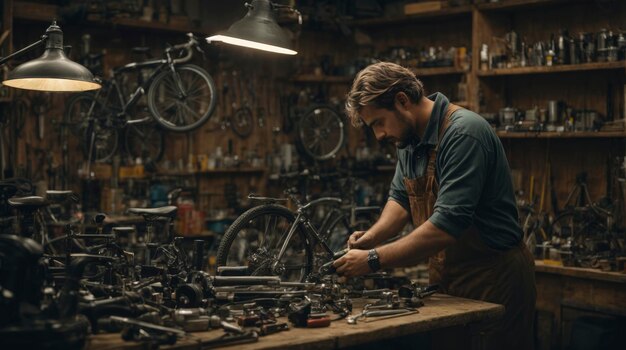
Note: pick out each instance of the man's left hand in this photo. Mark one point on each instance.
(354, 263)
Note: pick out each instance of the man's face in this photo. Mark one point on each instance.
(390, 126)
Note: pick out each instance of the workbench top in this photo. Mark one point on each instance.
(580, 272)
(439, 311)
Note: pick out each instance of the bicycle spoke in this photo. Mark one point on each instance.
(270, 223)
(314, 143)
(191, 110)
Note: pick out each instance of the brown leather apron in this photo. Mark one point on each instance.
(471, 269)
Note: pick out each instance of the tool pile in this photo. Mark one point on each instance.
(81, 284)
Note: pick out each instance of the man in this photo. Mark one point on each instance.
(453, 180)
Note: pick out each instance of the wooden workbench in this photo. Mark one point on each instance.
(439, 312)
(564, 293)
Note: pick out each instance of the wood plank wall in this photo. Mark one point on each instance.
(569, 156)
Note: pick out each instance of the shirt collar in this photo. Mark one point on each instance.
(431, 134)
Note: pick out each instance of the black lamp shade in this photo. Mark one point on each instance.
(258, 30)
(53, 71)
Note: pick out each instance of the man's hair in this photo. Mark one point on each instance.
(378, 84)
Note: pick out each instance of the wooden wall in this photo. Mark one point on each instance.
(270, 77)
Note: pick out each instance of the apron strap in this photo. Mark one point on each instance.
(432, 186)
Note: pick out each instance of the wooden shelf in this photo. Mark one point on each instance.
(554, 69)
(580, 272)
(560, 135)
(516, 5)
(312, 78)
(439, 14)
(46, 13)
(424, 71)
(214, 171)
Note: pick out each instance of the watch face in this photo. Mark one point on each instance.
(372, 260)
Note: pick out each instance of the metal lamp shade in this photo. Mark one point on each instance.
(53, 71)
(257, 30)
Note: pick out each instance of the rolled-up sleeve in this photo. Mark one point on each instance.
(397, 191)
(463, 163)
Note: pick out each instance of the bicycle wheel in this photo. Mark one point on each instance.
(577, 225)
(321, 133)
(255, 239)
(182, 100)
(103, 142)
(79, 109)
(336, 231)
(242, 123)
(144, 141)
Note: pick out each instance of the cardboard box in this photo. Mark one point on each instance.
(127, 172)
(415, 8)
(102, 171)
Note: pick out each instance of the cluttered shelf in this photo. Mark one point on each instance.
(553, 69)
(560, 135)
(314, 78)
(515, 5)
(28, 11)
(212, 171)
(420, 72)
(436, 12)
(541, 266)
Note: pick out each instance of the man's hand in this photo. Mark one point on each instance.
(354, 263)
(359, 240)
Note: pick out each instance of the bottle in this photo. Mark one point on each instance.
(601, 45)
(484, 57)
(562, 48)
(550, 58)
(523, 60)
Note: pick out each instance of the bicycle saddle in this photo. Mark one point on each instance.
(168, 211)
(61, 196)
(123, 230)
(27, 203)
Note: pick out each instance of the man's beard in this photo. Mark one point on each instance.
(407, 132)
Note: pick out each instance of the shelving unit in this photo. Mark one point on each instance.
(515, 5)
(445, 13)
(312, 78)
(593, 66)
(228, 171)
(428, 71)
(561, 135)
(27, 11)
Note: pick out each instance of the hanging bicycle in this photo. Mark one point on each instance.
(181, 97)
(321, 132)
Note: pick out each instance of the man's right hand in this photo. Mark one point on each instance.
(359, 240)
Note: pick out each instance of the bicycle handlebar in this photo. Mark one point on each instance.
(187, 47)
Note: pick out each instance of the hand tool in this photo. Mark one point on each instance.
(268, 329)
(352, 320)
(148, 326)
(328, 268)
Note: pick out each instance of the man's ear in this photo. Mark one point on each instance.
(401, 100)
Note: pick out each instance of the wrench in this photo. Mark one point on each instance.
(378, 313)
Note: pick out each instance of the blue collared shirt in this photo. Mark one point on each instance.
(473, 174)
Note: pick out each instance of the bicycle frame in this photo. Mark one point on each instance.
(161, 64)
(114, 87)
(304, 221)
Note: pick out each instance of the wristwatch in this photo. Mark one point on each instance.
(372, 260)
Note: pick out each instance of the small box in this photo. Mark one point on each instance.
(101, 170)
(126, 172)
